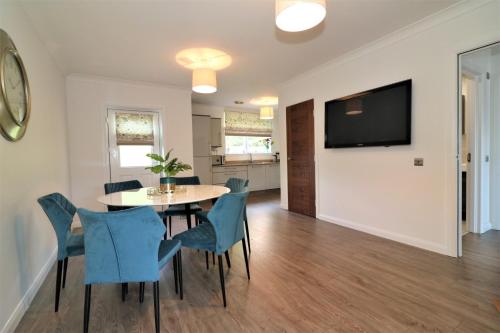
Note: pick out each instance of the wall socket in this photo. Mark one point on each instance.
(418, 161)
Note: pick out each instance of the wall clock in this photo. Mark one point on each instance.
(15, 101)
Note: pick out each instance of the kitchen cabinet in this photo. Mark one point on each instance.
(216, 132)
(272, 176)
(257, 177)
(202, 167)
(220, 174)
(201, 136)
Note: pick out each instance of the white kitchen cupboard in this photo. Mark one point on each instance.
(257, 177)
(202, 136)
(272, 176)
(216, 132)
(202, 167)
(221, 174)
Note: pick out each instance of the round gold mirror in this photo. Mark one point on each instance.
(14, 91)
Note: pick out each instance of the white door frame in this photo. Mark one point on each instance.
(479, 165)
(129, 109)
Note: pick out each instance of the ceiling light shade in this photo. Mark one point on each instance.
(266, 112)
(299, 15)
(265, 101)
(204, 81)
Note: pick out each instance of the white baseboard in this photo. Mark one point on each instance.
(25, 302)
(423, 244)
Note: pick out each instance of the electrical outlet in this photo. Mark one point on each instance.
(418, 161)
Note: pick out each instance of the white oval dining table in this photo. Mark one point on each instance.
(183, 195)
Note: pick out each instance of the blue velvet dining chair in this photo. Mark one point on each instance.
(236, 185)
(118, 187)
(126, 246)
(223, 230)
(60, 212)
(183, 210)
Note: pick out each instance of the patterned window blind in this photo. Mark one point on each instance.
(134, 129)
(247, 124)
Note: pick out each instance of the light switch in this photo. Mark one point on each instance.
(418, 161)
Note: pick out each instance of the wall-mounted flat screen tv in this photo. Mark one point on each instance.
(377, 117)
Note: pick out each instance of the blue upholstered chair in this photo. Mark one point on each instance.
(60, 212)
(183, 210)
(236, 185)
(118, 187)
(223, 230)
(127, 246)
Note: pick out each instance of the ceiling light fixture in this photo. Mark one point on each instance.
(266, 112)
(204, 62)
(299, 15)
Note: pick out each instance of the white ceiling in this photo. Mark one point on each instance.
(138, 40)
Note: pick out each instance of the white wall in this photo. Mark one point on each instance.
(378, 190)
(87, 101)
(35, 166)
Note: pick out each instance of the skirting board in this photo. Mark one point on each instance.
(25, 302)
(434, 247)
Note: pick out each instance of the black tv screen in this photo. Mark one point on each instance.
(378, 117)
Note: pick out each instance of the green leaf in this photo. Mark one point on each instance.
(156, 157)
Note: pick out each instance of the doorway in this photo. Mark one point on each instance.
(300, 159)
(478, 144)
(131, 135)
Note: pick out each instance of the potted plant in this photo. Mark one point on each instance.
(169, 167)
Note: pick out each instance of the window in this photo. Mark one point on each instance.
(247, 144)
(132, 156)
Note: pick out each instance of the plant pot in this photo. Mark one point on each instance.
(167, 184)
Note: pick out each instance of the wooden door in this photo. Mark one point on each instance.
(300, 158)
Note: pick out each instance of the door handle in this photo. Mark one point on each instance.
(290, 159)
(469, 157)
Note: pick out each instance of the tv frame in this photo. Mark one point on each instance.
(406, 141)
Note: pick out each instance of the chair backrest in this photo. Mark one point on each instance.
(120, 186)
(60, 212)
(194, 180)
(226, 217)
(236, 184)
(121, 246)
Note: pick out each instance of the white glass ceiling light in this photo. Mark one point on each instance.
(299, 15)
(204, 81)
(204, 62)
(266, 112)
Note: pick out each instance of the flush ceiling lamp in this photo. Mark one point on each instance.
(299, 15)
(204, 62)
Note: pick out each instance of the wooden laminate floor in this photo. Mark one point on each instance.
(307, 276)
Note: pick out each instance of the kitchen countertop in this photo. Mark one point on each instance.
(245, 163)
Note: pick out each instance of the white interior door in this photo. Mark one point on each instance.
(133, 134)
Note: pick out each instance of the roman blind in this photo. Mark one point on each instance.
(134, 128)
(247, 124)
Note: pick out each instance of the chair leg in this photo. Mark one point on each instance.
(248, 236)
(188, 215)
(227, 259)
(156, 296)
(221, 274)
(141, 292)
(246, 256)
(176, 273)
(86, 308)
(58, 284)
(124, 291)
(213, 258)
(65, 269)
(206, 258)
(170, 225)
(196, 220)
(165, 223)
(179, 269)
